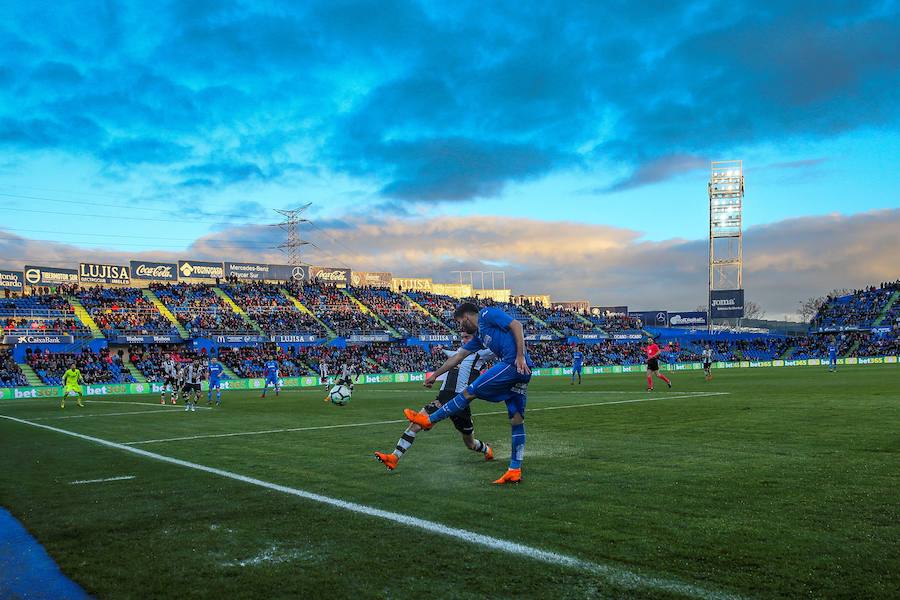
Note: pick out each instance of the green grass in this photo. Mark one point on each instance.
(786, 486)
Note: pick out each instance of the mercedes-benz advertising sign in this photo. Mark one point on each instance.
(726, 304)
(652, 318)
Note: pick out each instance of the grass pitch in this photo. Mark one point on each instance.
(762, 483)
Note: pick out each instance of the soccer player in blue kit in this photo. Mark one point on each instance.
(832, 355)
(271, 371)
(215, 371)
(507, 381)
(577, 359)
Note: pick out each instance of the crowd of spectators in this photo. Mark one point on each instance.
(440, 306)
(95, 367)
(271, 310)
(859, 309)
(199, 309)
(336, 310)
(123, 311)
(397, 311)
(10, 373)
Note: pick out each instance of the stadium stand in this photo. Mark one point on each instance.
(99, 367)
(199, 309)
(10, 373)
(397, 311)
(124, 311)
(271, 310)
(336, 310)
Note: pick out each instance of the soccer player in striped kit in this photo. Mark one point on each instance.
(457, 379)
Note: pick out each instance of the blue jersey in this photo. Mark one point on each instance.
(215, 371)
(271, 368)
(832, 350)
(577, 358)
(494, 334)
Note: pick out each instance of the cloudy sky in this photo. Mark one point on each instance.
(567, 144)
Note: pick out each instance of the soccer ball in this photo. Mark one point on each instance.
(340, 395)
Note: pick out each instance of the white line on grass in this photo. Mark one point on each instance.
(394, 421)
(84, 481)
(113, 414)
(615, 574)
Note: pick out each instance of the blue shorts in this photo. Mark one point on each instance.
(832, 358)
(576, 369)
(215, 385)
(502, 383)
(273, 379)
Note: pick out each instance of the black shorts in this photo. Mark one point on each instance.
(169, 380)
(707, 366)
(461, 420)
(190, 387)
(653, 364)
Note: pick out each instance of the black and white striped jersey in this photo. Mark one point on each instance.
(467, 371)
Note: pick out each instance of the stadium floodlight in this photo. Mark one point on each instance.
(726, 246)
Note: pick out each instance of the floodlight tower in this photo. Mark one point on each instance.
(293, 245)
(726, 242)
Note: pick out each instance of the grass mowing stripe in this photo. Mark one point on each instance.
(683, 395)
(84, 481)
(115, 414)
(616, 575)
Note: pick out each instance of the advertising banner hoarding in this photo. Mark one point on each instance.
(626, 336)
(12, 280)
(294, 339)
(330, 275)
(652, 318)
(154, 271)
(726, 304)
(147, 339)
(247, 271)
(96, 273)
(371, 278)
(579, 306)
(38, 338)
(369, 338)
(613, 311)
(688, 318)
(194, 269)
(239, 339)
(52, 276)
(288, 273)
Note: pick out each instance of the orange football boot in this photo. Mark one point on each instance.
(418, 418)
(489, 455)
(511, 476)
(388, 460)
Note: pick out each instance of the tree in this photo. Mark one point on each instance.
(809, 308)
(753, 310)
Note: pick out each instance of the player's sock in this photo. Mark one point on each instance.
(664, 378)
(650, 381)
(481, 446)
(406, 440)
(218, 396)
(454, 406)
(518, 446)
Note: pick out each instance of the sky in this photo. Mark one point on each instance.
(565, 143)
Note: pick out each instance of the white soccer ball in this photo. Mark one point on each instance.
(340, 395)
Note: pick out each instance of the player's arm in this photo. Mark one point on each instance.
(448, 365)
(519, 335)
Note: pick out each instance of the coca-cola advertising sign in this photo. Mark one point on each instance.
(330, 275)
(153, 271)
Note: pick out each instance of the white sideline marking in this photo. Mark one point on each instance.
(84, 481)
(614, 574)
(394, 421)
(114, 414)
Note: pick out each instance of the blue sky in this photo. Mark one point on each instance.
(207, 115)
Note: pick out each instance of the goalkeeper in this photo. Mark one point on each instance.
(72, 381)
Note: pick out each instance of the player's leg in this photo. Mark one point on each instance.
(62, 402)
(515, 408)
(649, 380)
(79, 395)
(573, 377)
(218, 394)
(162, 393)
(465, 426)
(659, 375)
(579, 375)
